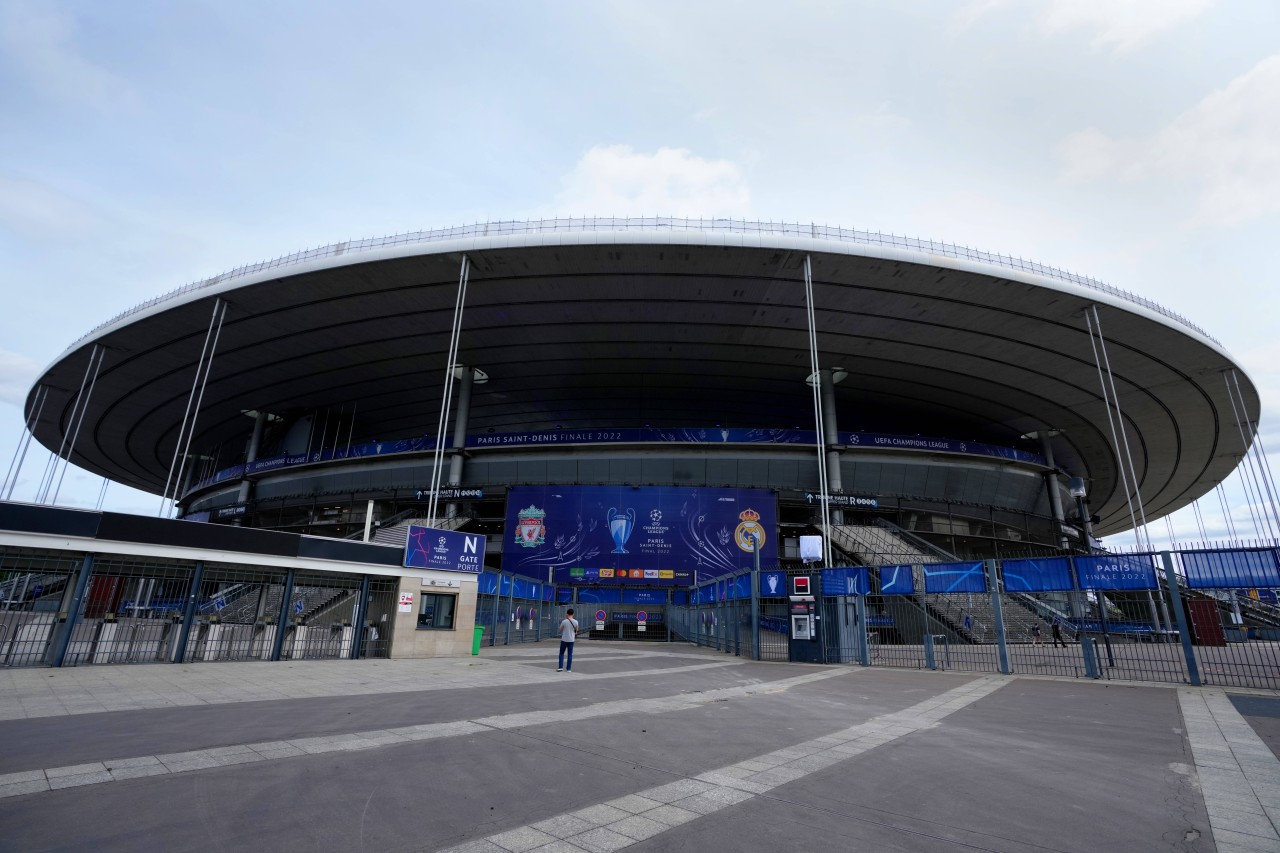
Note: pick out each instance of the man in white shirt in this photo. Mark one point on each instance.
(568, 633)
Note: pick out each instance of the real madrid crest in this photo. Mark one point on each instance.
(749, 531)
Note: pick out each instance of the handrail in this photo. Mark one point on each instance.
(659, 224)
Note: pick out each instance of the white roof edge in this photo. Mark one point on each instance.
(912, 250)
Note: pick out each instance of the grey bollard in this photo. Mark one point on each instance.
(928, 652)
(1090, 651)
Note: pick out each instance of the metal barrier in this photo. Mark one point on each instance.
(1206, 616)
(63, 609)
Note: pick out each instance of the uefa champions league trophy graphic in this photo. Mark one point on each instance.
(620, 526)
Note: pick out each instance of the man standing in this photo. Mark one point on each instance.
(1057, 635)
(568, 633)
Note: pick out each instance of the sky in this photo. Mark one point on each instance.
(145, 145)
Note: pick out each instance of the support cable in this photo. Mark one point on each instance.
(1226, 512)
(75, 436)
(51, 470)
(1133, 472)
(1247, 477)
(177, 445)
(1195, 508)
(24, 442)
(191, 430)
(1124, 434)
(1259, 453)
(817, 412)
(446, 401)
(1115, 440)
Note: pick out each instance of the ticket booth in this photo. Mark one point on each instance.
(802, 623)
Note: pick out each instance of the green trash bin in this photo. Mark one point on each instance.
(475, 642)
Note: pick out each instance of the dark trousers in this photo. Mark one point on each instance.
(566, 645)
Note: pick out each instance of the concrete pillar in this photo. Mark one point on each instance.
(250, 454)
(830, 428)
(467, 378)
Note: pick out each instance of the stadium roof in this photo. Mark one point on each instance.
(668, 322)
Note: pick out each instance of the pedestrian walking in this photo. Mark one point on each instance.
(568, 633)
(1035, 632)
(1057, 635)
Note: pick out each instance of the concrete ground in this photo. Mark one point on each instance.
(642, 747)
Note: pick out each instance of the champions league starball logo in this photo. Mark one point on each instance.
(749, 532)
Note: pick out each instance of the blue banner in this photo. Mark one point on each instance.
(487, 583)
(1051, 574)
(897, 580)
(644, 596)
(692, 435)
(955, 577)
(600, 595)
(773, 584)
(1231, 569)
(443, 550)
(742, 587)
(1117, 571)
(649, 533)
(852, 581)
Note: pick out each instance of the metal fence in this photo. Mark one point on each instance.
(514, 609)
(70, 609)
(1208, 616)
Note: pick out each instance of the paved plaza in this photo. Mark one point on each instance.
(643, 748)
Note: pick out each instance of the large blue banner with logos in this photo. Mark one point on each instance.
(1116, 572)
(445, 550)
(1051, 574)
(646, 535)
(955, 577)
(1238, 569)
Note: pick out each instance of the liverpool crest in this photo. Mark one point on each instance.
(531, 531)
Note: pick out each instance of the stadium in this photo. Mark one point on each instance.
(896, 396)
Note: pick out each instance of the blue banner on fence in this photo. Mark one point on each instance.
(487, 583)
(955, 577)
(742, 586)
(851, 581)
(1119, 571)
(773, 584)
(1051, 574)
(897, 580)
(1231, 569)
(648, 532)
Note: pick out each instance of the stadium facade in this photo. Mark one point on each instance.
(978, 404)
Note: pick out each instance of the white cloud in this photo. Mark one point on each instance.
(36, 210)
(617, 181)
(1117, 25)
(17, 372)
(40, 41)
(1226, 144)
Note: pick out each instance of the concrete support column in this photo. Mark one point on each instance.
(250, 454)
(831, 430)
(469, 376)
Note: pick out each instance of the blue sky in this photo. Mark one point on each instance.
(144, 145)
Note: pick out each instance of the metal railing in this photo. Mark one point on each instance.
(660, 224)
